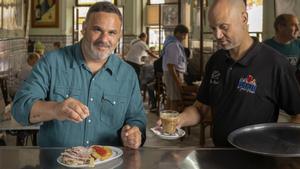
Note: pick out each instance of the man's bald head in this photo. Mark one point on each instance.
(228, 20)
(231, 7)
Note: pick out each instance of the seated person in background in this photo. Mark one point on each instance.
(137, 53)
(39, 48)
(21, 76)
(148, 80)
(245, 82)
(84, 94)
(193, 68)
(285, 40)
(56, 45)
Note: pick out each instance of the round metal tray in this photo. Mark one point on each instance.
(272, 139)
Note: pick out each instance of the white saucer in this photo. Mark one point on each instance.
(158, 131)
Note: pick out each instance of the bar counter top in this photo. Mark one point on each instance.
(151, 158)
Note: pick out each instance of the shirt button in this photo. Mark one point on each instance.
(93, 79)
(87, 142)
(114, 102)
(67, 95)
(92, 99)
(89, 120)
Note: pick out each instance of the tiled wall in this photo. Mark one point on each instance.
(48, 40)
(13, 54)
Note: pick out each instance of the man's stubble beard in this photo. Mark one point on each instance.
(92, 52)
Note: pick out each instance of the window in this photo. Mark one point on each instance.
(255, 17)
(162, 18)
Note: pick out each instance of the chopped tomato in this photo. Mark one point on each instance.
(100, 150)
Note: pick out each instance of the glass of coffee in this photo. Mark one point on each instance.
(169, 120)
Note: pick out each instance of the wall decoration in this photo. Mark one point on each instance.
(45, 13)
(169, 15)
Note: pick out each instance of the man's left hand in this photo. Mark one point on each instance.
(131, 136)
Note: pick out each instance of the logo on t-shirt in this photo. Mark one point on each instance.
(247, 84)
(215, 77)
(293, 60)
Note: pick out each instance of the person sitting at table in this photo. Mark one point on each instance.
(245, 82)
(84, 94)
(147, 80)
(39, 48)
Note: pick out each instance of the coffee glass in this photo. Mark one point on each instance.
(169, 120)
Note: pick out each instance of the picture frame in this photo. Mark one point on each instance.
(287, 6)
(45, 13)
(90, 2)
(169, 15)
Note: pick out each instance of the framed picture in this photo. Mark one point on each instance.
(45, 13)
(287, 6)
(169, 15)
(90, 2)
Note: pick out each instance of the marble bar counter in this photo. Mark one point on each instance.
(151, 158)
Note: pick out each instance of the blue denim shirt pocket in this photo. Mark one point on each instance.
(62, 93)
(113, 110)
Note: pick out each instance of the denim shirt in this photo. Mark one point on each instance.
(112, 96)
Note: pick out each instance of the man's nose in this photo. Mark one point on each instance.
(218, 34)
(104, 36)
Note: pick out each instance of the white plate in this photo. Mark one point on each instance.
(158, 131)
(116, 152)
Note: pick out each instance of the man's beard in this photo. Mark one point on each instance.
(93, 53)
(228, 46)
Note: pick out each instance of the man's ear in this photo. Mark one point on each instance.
(245, 17)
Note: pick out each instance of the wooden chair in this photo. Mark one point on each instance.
(4, 88)
(188, 95)
(206, 121)
(160, 90)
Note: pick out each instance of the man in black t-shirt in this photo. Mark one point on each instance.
(245, 82)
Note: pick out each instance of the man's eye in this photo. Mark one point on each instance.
(224, 27)
(112, 33)
(97, 30)
(213, 28)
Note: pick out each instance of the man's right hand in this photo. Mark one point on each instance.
(71, 109)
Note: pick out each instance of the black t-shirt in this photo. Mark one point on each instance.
(249, 91)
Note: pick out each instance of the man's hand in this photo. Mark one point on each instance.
(71, 109)
(131, 136)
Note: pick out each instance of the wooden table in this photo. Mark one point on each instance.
(21, 132)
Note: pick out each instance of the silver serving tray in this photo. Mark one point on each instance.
(271, 139)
